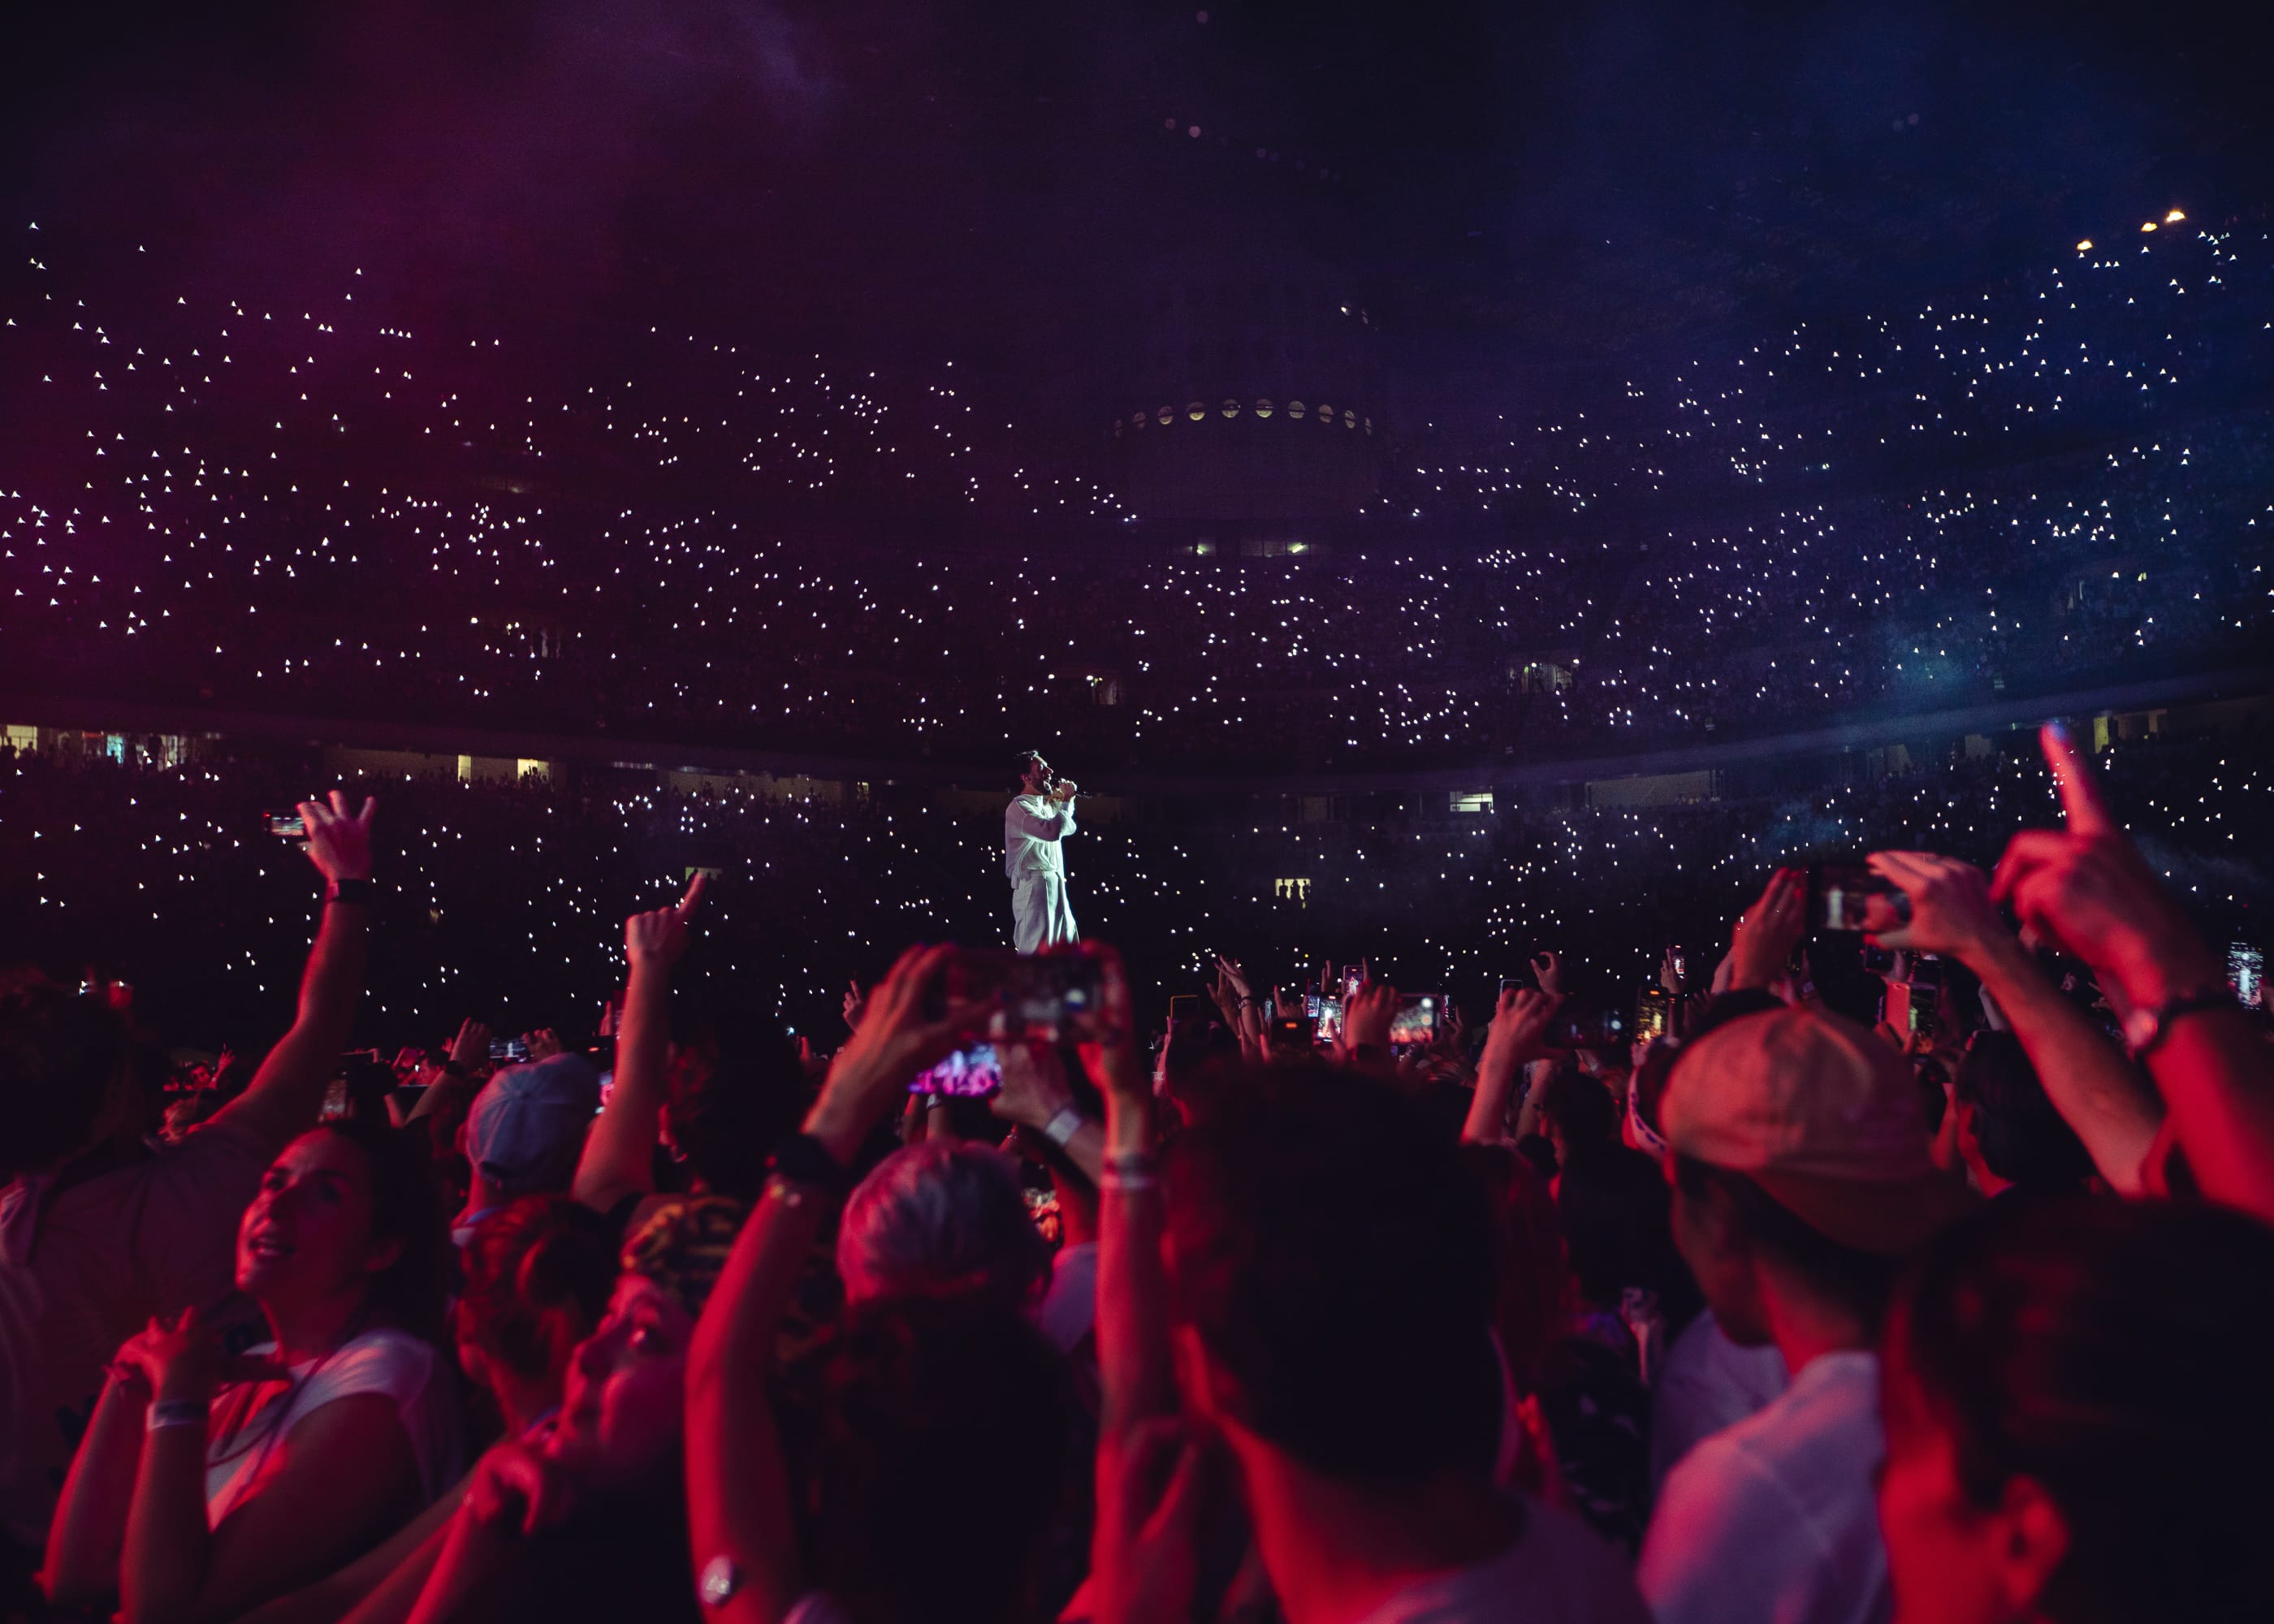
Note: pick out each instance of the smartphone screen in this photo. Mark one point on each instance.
(1416, 1022)
(967, 1073)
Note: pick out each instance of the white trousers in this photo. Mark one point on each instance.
(1040, 914)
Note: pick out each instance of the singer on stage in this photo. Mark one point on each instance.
(1038, 818)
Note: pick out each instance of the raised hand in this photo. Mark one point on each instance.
(1770, 930)
(1115, 1063)
(1549, 970)
(1366, 1017)
(657, 938)
(1519, 1021)
(1035, 1087)
(2087, 892)
(898, 1037)
(472, 1046)
(1286, 1005)
(1229, 970)
(856, 1004)
(338, 840)
(1950, 907)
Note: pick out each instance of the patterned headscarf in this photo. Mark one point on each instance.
(683, 1246)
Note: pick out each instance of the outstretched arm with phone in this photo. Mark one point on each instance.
(619, 1158)
(2090, 1083)
(2088, 891)
(738, 1490)
(288, 1090)
(1514, 1038)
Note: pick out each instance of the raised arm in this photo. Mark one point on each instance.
(738, 1490)
(2093, 1086)
(2089, 891)
(289, 1089)
(1516, 1024)
(619, 1157)
(1055, 822)
(1136, 1378)
(1035, 1095)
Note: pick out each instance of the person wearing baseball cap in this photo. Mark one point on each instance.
(524, 1134)
(1802, 1179)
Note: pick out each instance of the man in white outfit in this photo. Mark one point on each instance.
(1038, 818)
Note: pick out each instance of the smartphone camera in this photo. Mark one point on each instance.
(286, 825)
(1839, 892)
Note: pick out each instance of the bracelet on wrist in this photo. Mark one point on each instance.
(167, 1412)
(1061, 1128)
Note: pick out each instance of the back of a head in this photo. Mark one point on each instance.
(527, 1126)
(61, 1059)
(2116, 1353)
(934, 1438)
(2023, 1139)
(1333, 1253)
(1585, 1115)
(537, 1279)
(1809, 1128)
(941, 1215)
(737, 1089)
(1614, 1211)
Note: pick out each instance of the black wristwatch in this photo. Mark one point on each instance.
(361, 893)
(2144, 1029)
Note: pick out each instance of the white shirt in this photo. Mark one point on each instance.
(385, 1360)
(1706, 1383)
(1775, 1519)
(1033, 825)
(1560, 1572)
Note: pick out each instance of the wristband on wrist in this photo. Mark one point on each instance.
(167, 1412)
(361, 892)
(1062, 1127)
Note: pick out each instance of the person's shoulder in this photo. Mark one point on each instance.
(381, 1360)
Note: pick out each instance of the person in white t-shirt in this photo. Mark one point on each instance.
(1034, 825)
(98, 1230)
(207, 1485)
(1803, 1176)
(1706, 1383)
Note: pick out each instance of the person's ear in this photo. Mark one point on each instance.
(383, 1256)
(2032, 1540)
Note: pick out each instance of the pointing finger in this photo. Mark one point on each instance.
(2080, 791)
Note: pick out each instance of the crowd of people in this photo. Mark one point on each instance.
(2046, 484)
(1908, 1271)
(105, 864)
